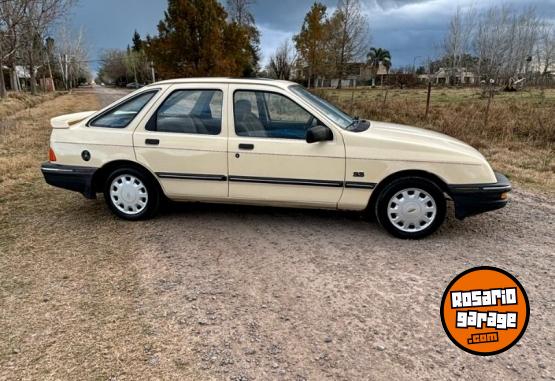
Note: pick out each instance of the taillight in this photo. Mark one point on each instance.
(51, 155)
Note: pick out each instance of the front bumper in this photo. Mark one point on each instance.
(75, 178)
(474, 199)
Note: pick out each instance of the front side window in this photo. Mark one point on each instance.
(331, 111)
(271, 115)
(190, 112)
(121, 115)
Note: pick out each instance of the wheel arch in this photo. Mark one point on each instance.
(100, 176)
(405, 173)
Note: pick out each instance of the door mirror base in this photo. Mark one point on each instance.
(318, 133)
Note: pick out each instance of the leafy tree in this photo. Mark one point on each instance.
(195, 39)
(137, 42)
(377, 57)
(311, 40)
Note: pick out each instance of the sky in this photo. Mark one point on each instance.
(412, 30)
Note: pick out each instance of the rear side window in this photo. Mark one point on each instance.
(190, 112)
(121, 115)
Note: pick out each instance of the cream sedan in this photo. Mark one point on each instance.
(265, 142)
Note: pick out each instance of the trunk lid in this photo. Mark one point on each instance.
(68, 120)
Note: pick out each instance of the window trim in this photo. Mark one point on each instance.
(271, 92)
(151, 124)
(90, 123)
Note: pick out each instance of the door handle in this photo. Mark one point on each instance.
(246, 146)
(152, 142)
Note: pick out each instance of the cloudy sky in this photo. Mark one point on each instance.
(411, 29)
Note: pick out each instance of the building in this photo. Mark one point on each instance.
(22, 73)
(448, 76)
(356, 74)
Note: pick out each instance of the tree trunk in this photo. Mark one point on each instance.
(32, 74)
(16, 86)
(3, 92)
(50, 74)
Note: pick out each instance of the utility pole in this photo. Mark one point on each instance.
(152, 71)
(66, 72)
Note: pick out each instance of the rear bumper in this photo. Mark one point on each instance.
(474, 199)
(74, 178)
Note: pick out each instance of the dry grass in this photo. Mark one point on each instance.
(20, 101)
(69, 297)
(519, 138)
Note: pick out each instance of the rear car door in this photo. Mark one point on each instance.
(184, 141)
(269, 158)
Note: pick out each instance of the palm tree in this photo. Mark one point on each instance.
(374, 58)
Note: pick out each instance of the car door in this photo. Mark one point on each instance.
(184, 141)
(269, 159)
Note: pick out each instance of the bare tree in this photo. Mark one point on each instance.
(11, 16)
(349, 35)
(39, 16)
(457, 42)
(72, 54)
(545, 49)
(239, 11)
(281, 63)
(505, 41)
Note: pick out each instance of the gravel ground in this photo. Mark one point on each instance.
(245, 293)
(263, 293)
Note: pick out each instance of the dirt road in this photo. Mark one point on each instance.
(242, 293)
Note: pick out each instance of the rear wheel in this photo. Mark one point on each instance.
(411, 207)
(131, 194)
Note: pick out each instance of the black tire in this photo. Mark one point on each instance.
(152, 201)
(398, 185)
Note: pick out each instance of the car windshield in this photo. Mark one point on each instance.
(331, 111)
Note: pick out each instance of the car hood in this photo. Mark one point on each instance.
(391, 141)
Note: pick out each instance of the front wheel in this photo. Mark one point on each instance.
(411, 207)
(131, 194)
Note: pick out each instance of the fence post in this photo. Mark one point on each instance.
(428, 99)
(490, 97)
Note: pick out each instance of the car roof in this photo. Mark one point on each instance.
(252, 81)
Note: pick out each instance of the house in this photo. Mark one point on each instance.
(449, 76)
(23, 77)
(356, 74)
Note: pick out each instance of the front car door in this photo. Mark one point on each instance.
(269, 159)
(184, 141)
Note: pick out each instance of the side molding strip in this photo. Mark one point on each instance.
(275, 180)
(359, 185)
(267, 180)
(188, 176)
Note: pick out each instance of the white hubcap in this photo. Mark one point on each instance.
(411, 210)
(128, 194)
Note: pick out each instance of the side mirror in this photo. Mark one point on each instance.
(318, 134)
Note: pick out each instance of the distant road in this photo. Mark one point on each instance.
(105, 95)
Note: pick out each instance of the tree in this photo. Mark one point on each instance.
(137, 42)
(281, 62)
(349, 34)
(545, 51)
(11, 16)
(72, 55)
(458, 39)
(195, 39)
(39, 16)
(375, 58)
(113, 69)
(241, 15)
(311, 40)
